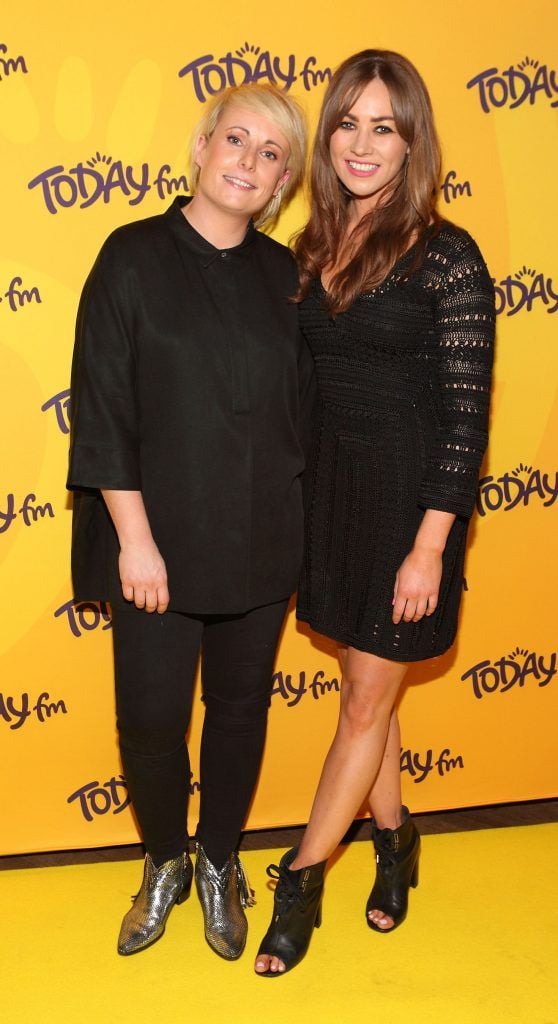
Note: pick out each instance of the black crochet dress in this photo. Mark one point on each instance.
(404, 378)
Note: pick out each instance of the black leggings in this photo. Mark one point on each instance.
(155, 666)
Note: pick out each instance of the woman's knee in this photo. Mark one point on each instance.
(150, 735)
(365, 703)
(236, 717)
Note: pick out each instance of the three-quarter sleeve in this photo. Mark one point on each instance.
(103, 414)
(464, 329)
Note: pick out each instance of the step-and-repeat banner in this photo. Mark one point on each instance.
(96, 108)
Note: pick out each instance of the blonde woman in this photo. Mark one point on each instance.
(191, 390)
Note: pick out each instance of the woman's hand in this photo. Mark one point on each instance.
(418, 581)
(417, 584)
(143, 575)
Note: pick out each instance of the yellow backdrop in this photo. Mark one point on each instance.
(96, 107)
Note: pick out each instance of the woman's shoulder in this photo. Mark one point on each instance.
(126, 238)
(129, 250)
(274, 249)
(450, 244)
(278, 256)
(454, 264)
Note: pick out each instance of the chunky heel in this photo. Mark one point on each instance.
(397, 869)
(297, 910)
(184, 895)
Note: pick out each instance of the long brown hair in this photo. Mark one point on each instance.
(404, 210)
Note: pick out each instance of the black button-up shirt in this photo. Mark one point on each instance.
(191, 382)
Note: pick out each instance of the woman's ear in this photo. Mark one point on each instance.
(200, 148)
(282, 181)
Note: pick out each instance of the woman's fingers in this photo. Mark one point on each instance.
(150, 597)
(156, 599)
(412, 608)
(151, 600)
(432, 604)
(420, 609)
(144, 576)
(399, 608)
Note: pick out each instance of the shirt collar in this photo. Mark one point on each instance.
(204, 250)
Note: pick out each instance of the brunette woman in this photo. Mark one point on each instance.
(397, 306)
(191, 387)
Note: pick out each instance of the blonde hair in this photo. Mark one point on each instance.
(285, 112)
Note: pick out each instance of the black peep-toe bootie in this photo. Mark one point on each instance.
(397, 856)
(297, 910)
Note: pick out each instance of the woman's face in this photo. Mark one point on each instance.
(366, 150)
(243, 163)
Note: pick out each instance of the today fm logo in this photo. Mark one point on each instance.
(30, 512)
(419, 764)
(18, 297)
(511, 670)
(99, 178)
(59, 404)
(96, 799)
(523, 290)
(84, 616)
(249, 64)
(10, 65)
(16, 711)
(521, 83)
(519, 487)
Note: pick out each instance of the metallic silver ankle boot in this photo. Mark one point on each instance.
(161, 888)
(223, 895)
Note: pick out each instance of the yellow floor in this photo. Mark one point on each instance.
(480, 945)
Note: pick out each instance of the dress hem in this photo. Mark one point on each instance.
(342, 637)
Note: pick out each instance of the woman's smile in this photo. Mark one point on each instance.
(240, 183)
(362, 170)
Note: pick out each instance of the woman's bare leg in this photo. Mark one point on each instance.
(385, 798)
(368, 694)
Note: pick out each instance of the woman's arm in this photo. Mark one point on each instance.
(104, 445)
(418, 581)
(464, 327)
(143, 573)
(104, 432)
(465, 318)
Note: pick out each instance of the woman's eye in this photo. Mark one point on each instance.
(234, 139)
(269, 154)
(384, 129)
(346, 125)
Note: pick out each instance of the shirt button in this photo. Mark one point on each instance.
(224, 255)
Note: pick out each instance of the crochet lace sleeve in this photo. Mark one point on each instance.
(464, 325)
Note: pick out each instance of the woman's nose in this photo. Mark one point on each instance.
(248, 158)
(362, 143)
